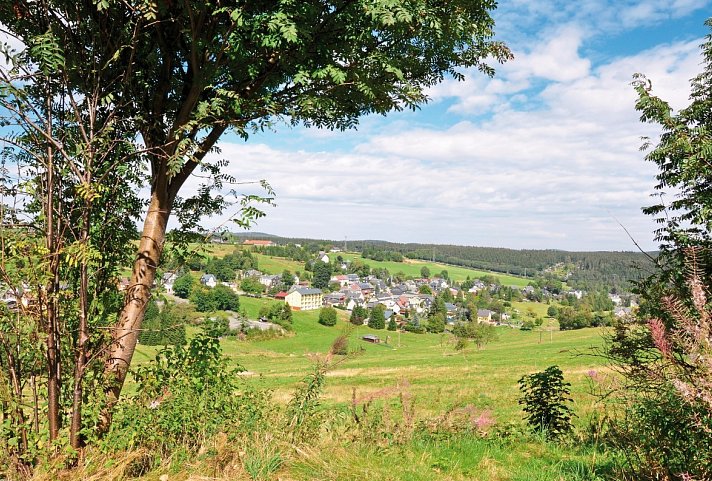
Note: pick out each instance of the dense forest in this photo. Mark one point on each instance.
(581, 270)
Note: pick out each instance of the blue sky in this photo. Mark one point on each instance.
(544, 155)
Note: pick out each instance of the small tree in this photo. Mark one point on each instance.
(436, 323)
(392, 325)
(358, 315)
(544, 396)
(252, 286)
(327, 316)
(183, 285)
(377, 319)
(424, 272)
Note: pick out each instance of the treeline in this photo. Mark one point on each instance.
(580, 270)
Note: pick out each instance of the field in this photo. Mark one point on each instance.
(411, 267)
(275, 265)
(438, 376)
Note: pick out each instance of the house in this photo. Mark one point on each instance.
(304, 298)
(323, 257)
(334, 298)
(270, 281)
(341, 279)
(258, 243)
(484, 315)
(280, 296)
(168, 279)
(208, 280)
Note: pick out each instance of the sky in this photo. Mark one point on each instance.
(544, 155)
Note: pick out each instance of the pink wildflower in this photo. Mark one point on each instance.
(657, 329)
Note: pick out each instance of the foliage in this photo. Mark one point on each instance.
(545, 396)
(252, 285)
(188, 393)
(377, 319)
(219, 297)
(392, 325)
(424, 272)
(358, 315)
(322, 275)
(183, 285)
(663, 355)
(436, 323)
(479, 332)
(327, 316)
(279, 313)
(165, 327)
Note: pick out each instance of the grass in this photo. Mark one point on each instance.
(426, 369)
(412, 267)
(439, 376)
(409, 267)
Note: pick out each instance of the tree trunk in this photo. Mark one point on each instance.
(125, 334)
(75, 437)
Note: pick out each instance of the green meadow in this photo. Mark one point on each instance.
(412, 267)
(439, 376)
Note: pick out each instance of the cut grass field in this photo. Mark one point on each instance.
(409, 267)
(439, 376)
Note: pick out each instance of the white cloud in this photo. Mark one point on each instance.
(554, 165)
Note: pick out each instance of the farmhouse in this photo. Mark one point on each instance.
(304, 298)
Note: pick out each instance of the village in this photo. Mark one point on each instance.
(410, 302)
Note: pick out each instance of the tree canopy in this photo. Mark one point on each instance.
(168, 79)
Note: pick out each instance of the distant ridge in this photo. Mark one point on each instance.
(580, 269)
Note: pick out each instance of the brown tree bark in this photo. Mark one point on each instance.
(125, 334)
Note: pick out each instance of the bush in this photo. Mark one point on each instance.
(187, 394)
(183, 286)
(327, 316)
(544, 396)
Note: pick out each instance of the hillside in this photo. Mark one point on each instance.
(587, 270)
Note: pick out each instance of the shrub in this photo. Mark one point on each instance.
(327, 316)
(544, 396)
(187, 394)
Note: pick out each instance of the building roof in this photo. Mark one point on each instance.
(305, 291)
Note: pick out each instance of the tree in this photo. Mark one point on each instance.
(183, 285)
(252, 285)
(377, 319)
(327, 316)
(358, 315)
(425, 289)
(392, 325)
(425, 272)
(552, 311)
(224, 298)
(287, 279)
(322, 275)
(544, 396)
(436, 323)
(664, 355)
(180, 74)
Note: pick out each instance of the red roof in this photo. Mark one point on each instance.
(280, 295)
(256, 242)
